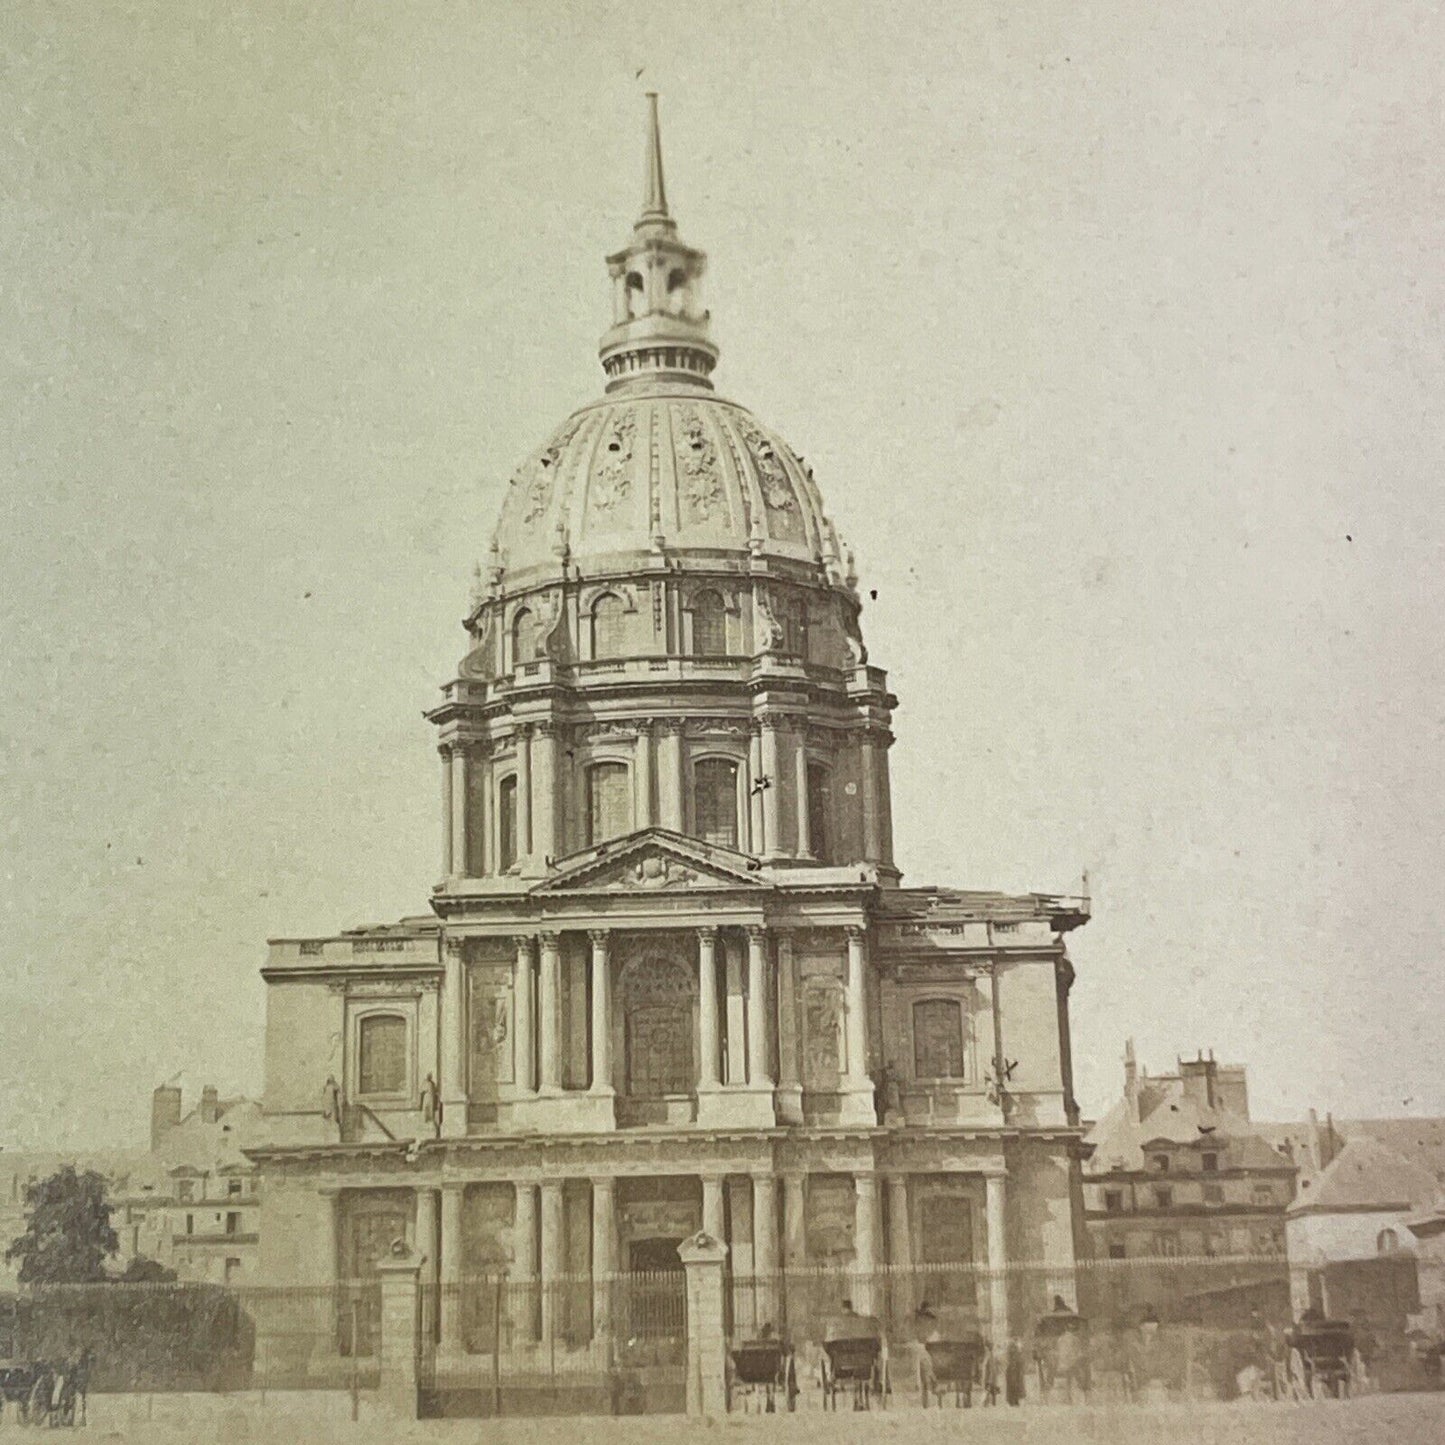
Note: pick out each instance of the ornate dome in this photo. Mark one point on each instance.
(671, 466)
(661, 463)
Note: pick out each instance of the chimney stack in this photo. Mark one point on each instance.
(1131, 1080)
(165, 1112)
(210, 1104)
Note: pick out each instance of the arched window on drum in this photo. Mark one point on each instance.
(715, 801)
(524, 637)
(609, 626)
(709, 625)
(609, 801)
(507, 823)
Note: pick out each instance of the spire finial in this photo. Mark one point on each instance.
(654, 200)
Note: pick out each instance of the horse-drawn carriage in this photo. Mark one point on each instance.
(1322, 1357)
(1061, 1352)
(44, 1392)
(764, 1373)
(854, 1367)
(954, 1368)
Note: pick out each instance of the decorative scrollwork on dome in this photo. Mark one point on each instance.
(540, 483)
(772, 478)
(613, 481)
(702, 478)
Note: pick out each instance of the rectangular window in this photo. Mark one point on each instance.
(1166, 1243)
(715, 801)
(609, 802)
(820, 811)
(1116, 1250)
(233, 1222)
(1209, 1163)
(383, 1055)
(190, 1224)
(187, 1189)
(1114, 1200)
(1161, 1163)
(938, 1038)
(1214, 1194)
(233, 1187)
(507, 823)
(1163, 1196)
(1263, 1194)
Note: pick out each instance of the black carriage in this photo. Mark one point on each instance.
(954, 1367)
(1325, 1350)
(853, 1366)
(44, 1393)
(764, 1373)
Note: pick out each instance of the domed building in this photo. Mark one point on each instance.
(670, 979)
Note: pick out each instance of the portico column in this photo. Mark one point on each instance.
(790, 1089)
(551, 1255)
(865, 1241)
(795, 1243)
(451, 1269)
(755, 792)
(996, 1227)
(900, 1246)
(604, 1262)
(669, 776)
(642, 770)
(426, 1247)
(453, 1040)
(526, 1059)
(872, 829)
(800, 793)
(524, 1248)
(707, 1043)
(855, 1079)
(772, 794)
(524, 791)
(765, 1247)
(460, 865)
(481, 826)
(601, 1013)
(549, 989)
(544, 792)
(759, 1073)
(712, 1205)
(447, 820)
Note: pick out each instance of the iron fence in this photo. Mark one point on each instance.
(569, 1344)
(1177, 1327)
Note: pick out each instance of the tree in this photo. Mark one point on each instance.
(68, 1236)
(146, 1271)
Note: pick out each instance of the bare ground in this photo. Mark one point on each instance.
(314, 1419)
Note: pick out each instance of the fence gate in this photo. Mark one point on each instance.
(493, 1346)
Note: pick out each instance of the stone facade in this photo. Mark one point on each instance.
(670, 971)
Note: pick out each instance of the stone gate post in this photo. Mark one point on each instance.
(400, 1275)
(702, 1256)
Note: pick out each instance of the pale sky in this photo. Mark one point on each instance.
(1113, 333)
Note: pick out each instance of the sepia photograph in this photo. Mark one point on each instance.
(722, 716)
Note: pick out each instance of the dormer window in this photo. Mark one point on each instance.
(1160, 1162)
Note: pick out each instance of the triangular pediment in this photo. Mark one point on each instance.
(654, 860)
